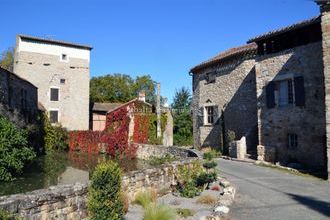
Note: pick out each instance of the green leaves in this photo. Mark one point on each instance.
(55, 137)
(104, 199)
(182, 129)
(7, 59)
(14, 150)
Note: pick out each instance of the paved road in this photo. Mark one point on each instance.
(266, 193)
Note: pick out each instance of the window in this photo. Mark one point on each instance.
(64, 57)
(210, 114)
(210, 77)
(54, 94)
(53, 116)
(292, 141)
(62, 81)
(284, 92)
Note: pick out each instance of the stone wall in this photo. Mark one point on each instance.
(58, 202)
(46, 71)
(234, 93)
(146, 151)
(17, 94)
(69, 201)
(325, 24)
(307, 121)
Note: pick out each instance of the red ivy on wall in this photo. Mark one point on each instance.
(141, 128)
(113, 140)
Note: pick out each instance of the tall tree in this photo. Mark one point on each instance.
(183, 130)
(7, 59)
(122, 88)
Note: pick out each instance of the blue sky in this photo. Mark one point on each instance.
(163, 38)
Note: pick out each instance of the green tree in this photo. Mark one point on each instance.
(122, 88)
(14, 150)
(7, 59)
(182, 118)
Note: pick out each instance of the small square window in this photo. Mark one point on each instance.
(54, 94)
(62, 81)
(292, 141)
(64, 57)
(53, 117)
(210, 77)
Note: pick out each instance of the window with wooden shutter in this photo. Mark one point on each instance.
(270, 96)
(299, 90)
(54, 94)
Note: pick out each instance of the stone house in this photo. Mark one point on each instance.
(99, 113)
(18, 95)
(60, 70)
(290, 68)
(224, 98)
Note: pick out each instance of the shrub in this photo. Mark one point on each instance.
(206, 178)
(209, 165)
(155, 161)
(4, 215)
(185, 213)
(56, 137)
(230, 136)
(210, 155)
(189, 173)
(159, 212)
(104, 199)
(207, 199)
(189, 190)
(14, 150)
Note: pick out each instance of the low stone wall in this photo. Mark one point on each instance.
(237, 149)
(57, 202)
(145, 151)
(69, 201)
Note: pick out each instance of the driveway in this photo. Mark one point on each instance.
(266, 193)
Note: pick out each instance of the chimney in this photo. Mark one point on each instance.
(142, 96)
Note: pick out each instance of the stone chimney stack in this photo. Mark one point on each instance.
(325, 26)
(142, 96)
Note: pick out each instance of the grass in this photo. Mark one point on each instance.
(145, 198)
(207, 199)
(185, 213)
(159, 212)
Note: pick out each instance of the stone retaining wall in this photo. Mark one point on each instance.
(145, 151)
(69, 201)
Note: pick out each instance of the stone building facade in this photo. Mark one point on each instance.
(18, 95)
(224, 98)
(60, 70)
(291, 67)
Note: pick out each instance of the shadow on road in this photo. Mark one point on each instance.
(312, 203)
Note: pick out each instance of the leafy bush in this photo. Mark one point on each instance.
(104, 198)
(189, 190)
(4, 215)
(206, 178)
(207, 199)
(155, 161)
(189, 173)
(153, 128)
(210, 155)
(14, 150)
(185, 213)
(159, 212)
(230, 136)
(56, 137)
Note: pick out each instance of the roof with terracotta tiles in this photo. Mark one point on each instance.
(228, 54)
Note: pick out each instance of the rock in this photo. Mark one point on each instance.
(229, 190)
(222, 210)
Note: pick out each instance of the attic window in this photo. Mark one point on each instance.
(62, 81)
(64, 57)
(46, 64)
(210, 77)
